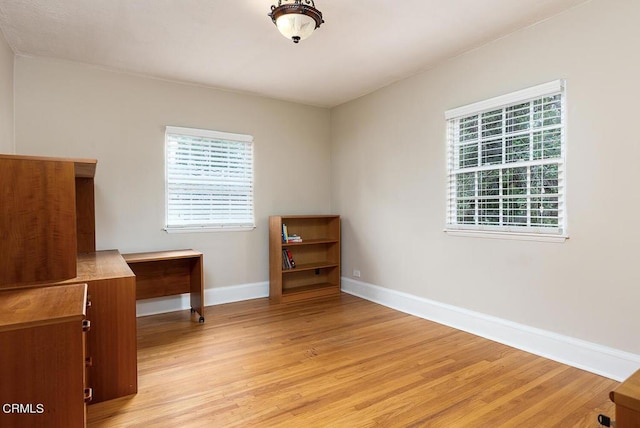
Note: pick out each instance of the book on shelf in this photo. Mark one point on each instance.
(287, 259)
(285, 235)
(294, 238)
(292, 262)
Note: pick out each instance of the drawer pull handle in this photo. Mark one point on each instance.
(88, 303)
(88, 394)
(86, 325)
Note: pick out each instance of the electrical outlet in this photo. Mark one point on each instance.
(356, 273)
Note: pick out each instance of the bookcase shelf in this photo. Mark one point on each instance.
(311, 242)
(309, 266)
(317, 257)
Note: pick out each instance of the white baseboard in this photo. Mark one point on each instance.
(212, 296)
(605, 361)
(609, 362)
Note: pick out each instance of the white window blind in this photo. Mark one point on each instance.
(506, 161)
(209, 180)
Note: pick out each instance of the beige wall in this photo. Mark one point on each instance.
(6, 97)
(67, 109)
(389, 181)
(379, 161)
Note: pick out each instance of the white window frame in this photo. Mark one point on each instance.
(456, 223)
(227, 203)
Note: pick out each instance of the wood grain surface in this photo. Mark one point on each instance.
(341, 362)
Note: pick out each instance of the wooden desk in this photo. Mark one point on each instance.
(627, 399)
(112, 341)
(167, 273)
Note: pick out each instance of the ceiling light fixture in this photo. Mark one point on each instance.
(296, 19)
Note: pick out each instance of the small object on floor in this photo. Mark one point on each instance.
(604, 420)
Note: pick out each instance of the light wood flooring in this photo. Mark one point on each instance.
(341, 362)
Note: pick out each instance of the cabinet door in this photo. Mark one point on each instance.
(38, 222)
(41, 372)
(111, 342)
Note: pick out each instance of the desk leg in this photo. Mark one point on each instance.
(197, 288)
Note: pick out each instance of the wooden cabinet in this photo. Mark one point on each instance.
(627, 399)
(112, 341)
(42, 357)
(37, 227)
(167, 273)
(47, 243)
(47, 216)
(317, 257)
(85, 170)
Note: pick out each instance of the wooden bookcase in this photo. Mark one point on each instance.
(317, 257)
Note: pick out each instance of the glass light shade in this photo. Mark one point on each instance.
(295, 26)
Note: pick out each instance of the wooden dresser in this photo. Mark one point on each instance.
(42, 357)
(627, 399)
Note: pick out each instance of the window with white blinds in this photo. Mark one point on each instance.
(209, 180)
(506, 161)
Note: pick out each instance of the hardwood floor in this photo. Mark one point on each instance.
(341, 362)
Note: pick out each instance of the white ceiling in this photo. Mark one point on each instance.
(232, 44)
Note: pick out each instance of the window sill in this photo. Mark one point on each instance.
(209, 229)
(518, 236)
